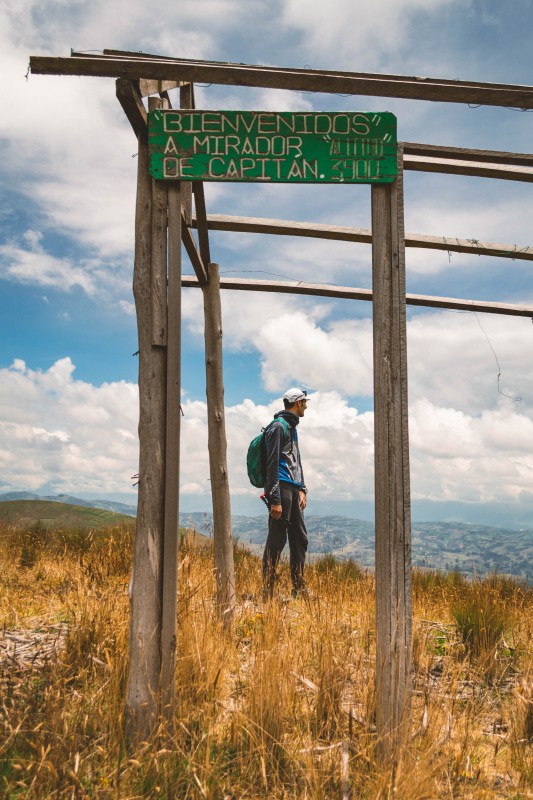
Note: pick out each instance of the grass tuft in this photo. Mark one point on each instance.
(285, 708)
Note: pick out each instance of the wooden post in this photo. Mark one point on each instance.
(225, 576)
(393, 523)
(187, 101)
(159, 250)
(144, 657)
(172, 460)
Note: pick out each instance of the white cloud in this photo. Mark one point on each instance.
(452, 363)
(81, 438)
(58, 430)
(38, 268)
(453, 357)
(355, 34)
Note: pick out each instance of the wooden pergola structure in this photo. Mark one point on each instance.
(165, 219)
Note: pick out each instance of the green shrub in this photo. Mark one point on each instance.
(482, 619)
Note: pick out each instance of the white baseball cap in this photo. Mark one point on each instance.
(295, 394)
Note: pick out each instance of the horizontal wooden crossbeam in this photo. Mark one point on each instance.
(450, 166)
(221, 222)
(349, 293)
(467, 154)
(330, 82)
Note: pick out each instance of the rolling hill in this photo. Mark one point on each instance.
(53, 514)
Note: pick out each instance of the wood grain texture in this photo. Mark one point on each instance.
(467, 154)
(201, 221)
(352, 83)
(142, 690)
(218, 464)
(314, 230)
(187, 101)
(351, 293)
(172, 460)
(194, 256)
(159, 251)
(148, 87)
(129, 97)
(392, 499)
(475, 169)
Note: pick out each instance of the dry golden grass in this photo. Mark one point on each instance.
(270, 711)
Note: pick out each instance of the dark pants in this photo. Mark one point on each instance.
(291, 526)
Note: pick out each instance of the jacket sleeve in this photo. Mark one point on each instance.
(304, 487)
(274, 447)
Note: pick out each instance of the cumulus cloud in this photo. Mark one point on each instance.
(36, 267)
(69, 433)
(351, 30)
(78, 438)
(454, 358)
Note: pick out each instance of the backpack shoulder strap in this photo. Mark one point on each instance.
(287, 428)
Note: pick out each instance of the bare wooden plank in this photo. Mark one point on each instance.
(148, 87)
(350, 293)
(467, 154)
(200, 221)
(159, 252)
(442, 90)
(130, 99)
(194, 255)
(187, 101)
(172, 460)
(392, 502)
(314, 230)
(479, 170)
(218, 464)
(144, 659)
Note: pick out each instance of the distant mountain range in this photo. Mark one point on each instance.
(471, 549)
(108, 505)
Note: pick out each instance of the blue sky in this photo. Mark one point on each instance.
(68, 396)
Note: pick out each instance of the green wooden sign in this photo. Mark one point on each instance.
(266, 146)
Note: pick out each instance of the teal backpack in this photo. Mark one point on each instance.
(256, 457)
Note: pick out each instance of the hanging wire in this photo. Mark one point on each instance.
(257, 272)
(515, 398)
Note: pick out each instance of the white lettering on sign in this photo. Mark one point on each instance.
(269, 146)
(261, 123)
(232, 145)
(268, 169)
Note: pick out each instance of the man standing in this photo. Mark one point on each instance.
(286, 493)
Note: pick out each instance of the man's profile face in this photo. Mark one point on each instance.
(300, 408)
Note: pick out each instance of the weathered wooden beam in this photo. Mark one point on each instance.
(478, 170)
(159, 252)
(217, 444)
(129, 97)
(467, 154)
(200, 221)
(350, 293)
(442, 90)
(144, 660)
(222, 222)
(187, 101)
(392, 484)
(148, 87)
(199, 205)
(172, 461)
(195, 257)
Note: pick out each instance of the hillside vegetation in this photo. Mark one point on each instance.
(52, 514)
(268, 711)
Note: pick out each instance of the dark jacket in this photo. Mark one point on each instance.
(282, 456)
